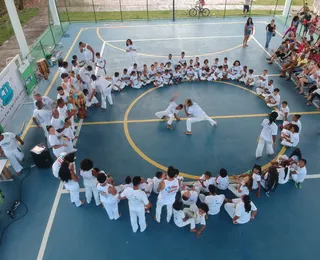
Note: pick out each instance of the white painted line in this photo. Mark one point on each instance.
(49, 224)
(180, 38)
(78, 132)
(261, 46)
(312, 176)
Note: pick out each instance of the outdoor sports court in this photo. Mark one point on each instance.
(127, 139)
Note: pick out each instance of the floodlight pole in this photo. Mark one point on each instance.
(16, 25)
(173, 11)
(54, 12)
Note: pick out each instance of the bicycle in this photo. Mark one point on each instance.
(199, 10)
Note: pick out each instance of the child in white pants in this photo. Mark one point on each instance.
(179, 217)
(171, 112)
(117, 84)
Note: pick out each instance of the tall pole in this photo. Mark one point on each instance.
(173, 11)
(16, 25)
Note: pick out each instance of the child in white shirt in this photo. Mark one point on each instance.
(135, 80)
(101, 65)
(158, 81)
(75, 67)
(152, 73)
(222, 180)
(183, 70)
(197, 71)
(145, 78)
(176, 77)
(190, 75)
(117, 84)
(249, 80)
(283, 112)
(273, 100)
(225, 62)
(243, 74)
(180, 218)
(213, 200)
(167, 78)
(182, 59)
(225, 72)
(161, 69)
(198, 214)
(236, 69)
(205, 180)
(125, 77)
(291, 137)
(262, 79)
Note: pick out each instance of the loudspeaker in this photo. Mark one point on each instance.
(43, 159)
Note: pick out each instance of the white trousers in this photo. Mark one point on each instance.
(14, 156)
(94, 101)
(160, 204)
(121, 85)
(74, 190)
(132, 56)
(138, 214)
(259, 91)
(261, 145)
(104, 98)
(230, 209)
(159, 86)
(189, 221)
(234, 189)
(112, 210)
(280, 114)
(286, 143)
(101, 72)
(165, 113)
(91, 188)
(199, 119)
(138, 85)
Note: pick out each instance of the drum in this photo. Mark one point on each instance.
(43, 68)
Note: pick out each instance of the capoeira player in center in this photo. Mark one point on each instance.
(171, 112)
(191, 108)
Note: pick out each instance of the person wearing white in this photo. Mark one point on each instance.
(70, 182)
(213, 200)
(84, 74)
(235, 71)
(189, 197)
(135, 81)
(241, 210)
(158, 81)
(89, 180)
(198, 214)
(160, 176)
(241, 188)
(167, 78)
(138, 204)
(9, 148)
(222, 180)
(291, 137)
(131, 51)
(273, 100)
(171, 112)
(300, 173)
(180, 218)
(262, 79)
(216, 74)
(108, 196)
(266, 89)
(56, 142)
(204, 181)
(117, 83)
(46, 101)
(283, 112)
(190, 74)
(104, 86)
(294, 121)
(68, 157)
(125, 77)
(62, 94)
(199, 115)
(68, 133)
(42, 117)
(100, 66)
(170, 60)
(249, 80)
(57, 121)
(268, 135)
(87, 52)
(168, 189)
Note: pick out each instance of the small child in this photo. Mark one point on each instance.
(235, 71)
(101, 65)
(167, 78)
(190, 75)
(262, 79)
(180, 218)
(161, 69)
(156, 66)
(135, 80)
(291, 137)
(249, 79)
(217, 74)
(125, 77)
(117, 84)
(266, 89)
(197, 71)
(191, 62)
(153, 73)
(134, 68)
(63, 67)
(273, 100)
(170, 68)
(74, 82)
(90, 103)
(65, 82)
(243, 187)
(127, 183)
(182, 59)
(205, 180)
(205, 72)
(225, 62)
(215, 64)
(213, 200)
(158, 81)
(176, 77)
(222, 180)
(183, 70)
(145, 78)
(189, 197)
(160, 176)
(197, 60)
(243, 74)
(225, 72)
(198, 214)
(75, 67)
(283, 112)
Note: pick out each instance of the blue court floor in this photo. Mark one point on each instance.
(127, 139)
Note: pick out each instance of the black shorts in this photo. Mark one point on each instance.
(246, 8)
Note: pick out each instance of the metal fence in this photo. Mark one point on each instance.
(121, 10)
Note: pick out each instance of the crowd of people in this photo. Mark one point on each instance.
(85, 79)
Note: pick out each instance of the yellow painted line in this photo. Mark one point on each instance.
(148, 159)
(165, 56)
(25, 131)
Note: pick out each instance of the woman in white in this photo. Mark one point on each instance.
(131, 52)
(9, 148)
(213, 200)
(70, 182)
(241, 210)
(180, 218)
(199, 115)
(268, 135)
(56, 142)
(89, 180)
(168, 189)
(138, 204)
(108, 196)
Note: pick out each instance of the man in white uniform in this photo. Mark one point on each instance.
(138, 204)
(9, 148)
(42, 117)
(300, 174)
(84, 74)
(171, 112)
(46, 101)
(168, 189)
(105, 87)
(87, 52)
(198, 115)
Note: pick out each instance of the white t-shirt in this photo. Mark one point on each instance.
(43, 116)
(196, 110)
(222, 183)
(214, 203)
(57, 123)
(199, 219)
(168, 194)
(240, 212)
(172, 108)
(298, 123)
(256, 178)
(178, 216)
(101, 62)
(268, 130)
(137, 198)
(57, 164)
(64, 96)
(294, 139)
(285, 110)
(156, 183)
(192, 199)
(63, 111)
(159, 80)
(277, 99)
(282, 178)
(182, 60)
(84, 75)
(87, 175)
(9, 142)
(107, 197)
(301, 173)
(131, 48)
(46, 101)
(54, 140)
(134, 80)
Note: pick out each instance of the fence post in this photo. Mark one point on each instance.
(147, 10)
(65, 4)
(120, 10)
(94, 12)
(44, 54)
(250, 8)
(285, 24)
(173, 11)
(59, 19)
(275, 9)
(225, 7)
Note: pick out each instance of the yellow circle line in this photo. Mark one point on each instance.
(163, 56)
(156, 164)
